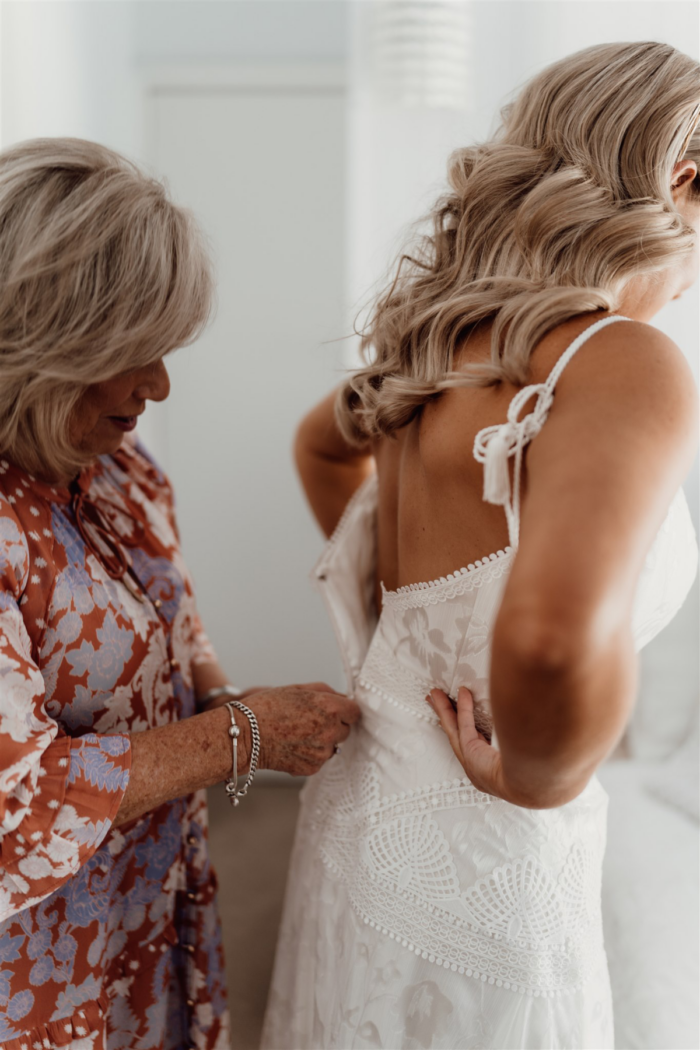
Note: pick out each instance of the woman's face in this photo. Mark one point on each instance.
(109, 410)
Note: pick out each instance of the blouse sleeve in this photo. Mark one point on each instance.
(58, 794)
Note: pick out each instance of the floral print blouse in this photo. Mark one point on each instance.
(109, 938)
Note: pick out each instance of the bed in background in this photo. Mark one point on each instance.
(651, 876)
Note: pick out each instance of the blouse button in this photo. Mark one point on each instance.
(190, 1003)
(191, 896)
(174, 664)
(157, 604)
(189, 948)
(191, 840)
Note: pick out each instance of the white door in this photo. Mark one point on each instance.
(262, 167)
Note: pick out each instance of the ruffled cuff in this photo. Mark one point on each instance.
(69, 1031)
(81, 784)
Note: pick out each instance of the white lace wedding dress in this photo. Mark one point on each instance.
(421, 913)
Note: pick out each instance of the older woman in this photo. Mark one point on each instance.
(109, 724)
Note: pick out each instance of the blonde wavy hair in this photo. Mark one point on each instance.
(100, 274)
(549, 219)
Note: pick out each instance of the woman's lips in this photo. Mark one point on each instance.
(124, 423)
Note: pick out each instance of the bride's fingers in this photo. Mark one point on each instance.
(473, 744)
(442, 706)
(465, 716)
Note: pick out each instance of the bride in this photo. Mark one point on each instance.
(445, 887)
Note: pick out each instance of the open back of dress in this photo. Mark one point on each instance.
(420, 912)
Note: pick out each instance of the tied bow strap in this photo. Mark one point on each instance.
(494, 446)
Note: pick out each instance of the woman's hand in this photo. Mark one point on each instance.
(481, 761)
(301, 726)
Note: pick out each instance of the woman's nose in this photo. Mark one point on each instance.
(155, 384)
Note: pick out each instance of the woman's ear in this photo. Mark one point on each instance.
(684, 172)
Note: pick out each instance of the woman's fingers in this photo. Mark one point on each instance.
(442, 706)
(465, 717)
(480, 761)
(351, 712)
(300, 726)
(343, 733)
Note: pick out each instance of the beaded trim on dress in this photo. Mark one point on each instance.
(433, 592)
(384, 676)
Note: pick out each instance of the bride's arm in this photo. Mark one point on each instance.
(330, 469)
(601, 475)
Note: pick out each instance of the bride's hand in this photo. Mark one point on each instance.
(481, 761)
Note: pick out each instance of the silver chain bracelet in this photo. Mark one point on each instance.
(231, 784)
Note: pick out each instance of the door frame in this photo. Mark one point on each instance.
(230, 77)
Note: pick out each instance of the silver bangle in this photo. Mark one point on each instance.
(231, 784)
(220, 690)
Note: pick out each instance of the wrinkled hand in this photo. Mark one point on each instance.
(481, 761)
(300, 726)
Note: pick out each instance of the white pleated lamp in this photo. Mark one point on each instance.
(420, 53)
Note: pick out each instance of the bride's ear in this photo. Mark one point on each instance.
(684, 173)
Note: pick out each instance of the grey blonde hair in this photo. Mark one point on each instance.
(548, 219)
(100, 274)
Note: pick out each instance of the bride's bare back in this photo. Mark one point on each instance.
(599, 478)
(590, 470)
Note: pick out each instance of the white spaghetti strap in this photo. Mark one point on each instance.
(493, 446)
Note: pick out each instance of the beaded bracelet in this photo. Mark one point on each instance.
(231, 784)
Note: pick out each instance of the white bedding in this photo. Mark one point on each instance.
(650, 913)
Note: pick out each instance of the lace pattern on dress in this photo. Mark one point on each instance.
(455, 584)
(385, 676)
(523, 928)
(436, 935)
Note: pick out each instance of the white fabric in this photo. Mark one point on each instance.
(420, 912)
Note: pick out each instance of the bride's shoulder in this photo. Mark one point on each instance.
(625, 347)
(633, 369)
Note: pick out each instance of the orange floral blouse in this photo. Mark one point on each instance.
(109, 938)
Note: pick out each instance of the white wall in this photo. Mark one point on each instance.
(67, 69)
(399, 155)
(262, 166)
(254, 30)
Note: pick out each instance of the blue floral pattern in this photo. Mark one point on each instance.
(94, 921)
